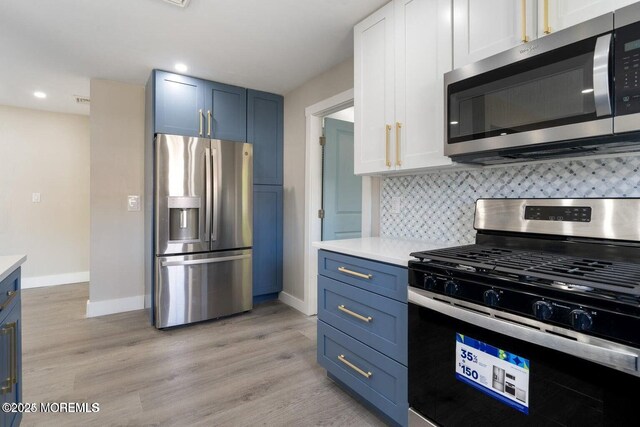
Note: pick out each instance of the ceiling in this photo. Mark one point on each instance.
(272, 45)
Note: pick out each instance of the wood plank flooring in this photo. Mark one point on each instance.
(255, 369)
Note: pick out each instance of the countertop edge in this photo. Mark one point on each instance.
(14, 263)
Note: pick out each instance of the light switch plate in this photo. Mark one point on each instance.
(35, 197)
(133, 203)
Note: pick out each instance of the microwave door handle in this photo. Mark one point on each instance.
(207, 194)
(601, 95)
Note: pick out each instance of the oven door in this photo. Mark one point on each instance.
(463, 374)
(549, 90)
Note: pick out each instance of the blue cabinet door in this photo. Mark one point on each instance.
(265, 123)
(226, 112)
(11, 359)
(179, 104)
(267, 240)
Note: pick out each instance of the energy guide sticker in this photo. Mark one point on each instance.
(495, 372)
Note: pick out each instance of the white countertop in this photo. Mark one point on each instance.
(8, 263)
(384, 249)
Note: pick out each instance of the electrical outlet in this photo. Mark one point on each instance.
(396, 205)
(35, 197)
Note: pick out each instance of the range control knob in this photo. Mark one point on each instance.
(430, 282)
(542, 310)
(451, 288)
(581, 320)
(491, 298)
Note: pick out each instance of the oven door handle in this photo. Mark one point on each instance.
(594, 353)
(601, 96)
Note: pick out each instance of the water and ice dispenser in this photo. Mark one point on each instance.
(184, 219)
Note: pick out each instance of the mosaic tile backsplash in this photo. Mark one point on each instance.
(439, 206)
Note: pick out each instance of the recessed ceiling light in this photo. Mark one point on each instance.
(587, 91)
(453, 123)
(181, 67)
(39, 94)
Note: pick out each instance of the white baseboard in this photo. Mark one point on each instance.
(54, 280)
(294, 302)
(111, 306)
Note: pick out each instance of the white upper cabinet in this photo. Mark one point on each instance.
(484, 28)
(374, 91)
(401, 54)
(555, 15)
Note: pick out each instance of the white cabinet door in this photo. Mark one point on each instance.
(423, 55)
(374, 92)
(566, 13)
(484, 28)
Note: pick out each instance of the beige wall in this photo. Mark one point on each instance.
(330, 83)
(47, 153)
(117, 167)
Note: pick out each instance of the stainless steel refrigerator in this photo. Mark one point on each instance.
(202, 229)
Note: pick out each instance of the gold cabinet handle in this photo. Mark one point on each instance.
(354, 367)
(11, 295)
(208, 122)
(386, 149)
(398, 130)
(547, 28)
(367, 319)
(200, 116)
(523, 16)
(355, 273)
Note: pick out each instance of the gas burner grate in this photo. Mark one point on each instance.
(615, 277)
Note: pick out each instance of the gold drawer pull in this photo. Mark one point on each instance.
(354, 314)
(355, 273)
(354, 367)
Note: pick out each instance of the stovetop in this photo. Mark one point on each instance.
(574, 274)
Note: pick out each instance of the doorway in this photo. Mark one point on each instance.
(341, 211)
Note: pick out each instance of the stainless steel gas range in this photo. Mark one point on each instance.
(537, 323)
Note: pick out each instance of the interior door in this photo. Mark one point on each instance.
(341, 189)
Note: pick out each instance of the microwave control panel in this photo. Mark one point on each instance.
(627, 69)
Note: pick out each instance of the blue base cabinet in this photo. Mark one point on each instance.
(267, 242)
(362, 330)
(10, 347)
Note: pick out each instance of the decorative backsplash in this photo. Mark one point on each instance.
(439, 206)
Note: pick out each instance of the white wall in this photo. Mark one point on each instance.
(47, 153)
(117, 168)
(334, 81)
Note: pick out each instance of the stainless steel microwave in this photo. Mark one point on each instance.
(571, 93)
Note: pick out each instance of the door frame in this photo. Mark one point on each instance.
(313, 193)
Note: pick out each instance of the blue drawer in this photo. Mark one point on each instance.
(377, 321)
(378, 379)
(8, 290)
(384, 279)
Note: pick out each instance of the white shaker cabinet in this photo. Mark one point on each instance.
(484, 28)
(401, 54)
(374, 64)
(555, 15)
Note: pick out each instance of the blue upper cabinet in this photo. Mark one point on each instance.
(193, 107)
(265, 123)
(179, 104)
(226, 112)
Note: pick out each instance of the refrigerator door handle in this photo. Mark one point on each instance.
(215, 174)
(204, 261)
(207, 194)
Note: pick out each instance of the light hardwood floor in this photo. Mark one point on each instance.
(255, 369)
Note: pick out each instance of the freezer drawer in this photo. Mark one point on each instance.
(200, 287)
